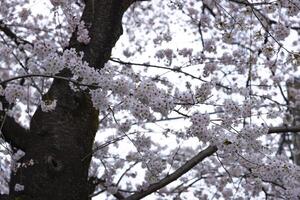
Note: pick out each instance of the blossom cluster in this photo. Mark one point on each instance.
(83, 33)
(13, 92)
(157, 99)
(48, 105)
(199, 127)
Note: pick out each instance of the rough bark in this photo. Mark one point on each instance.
(60, 139)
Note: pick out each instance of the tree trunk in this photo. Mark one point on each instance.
(53, 166)
(293, 90)
(59, 141)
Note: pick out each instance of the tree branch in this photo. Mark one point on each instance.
(284, 129)
(175, 175)
(14, 133)
(48, 76)
(10, 130)
(6, 30)
(103, 20)
(94, 181)
(176, 70)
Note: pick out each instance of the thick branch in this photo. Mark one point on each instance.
(103, 20)
(13, 133)
(174, 176)
(284, 129)
(10, 130)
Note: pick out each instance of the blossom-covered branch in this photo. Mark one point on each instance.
(175, 175)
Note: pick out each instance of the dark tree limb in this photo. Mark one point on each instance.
(94, 181)
(14, 133)
(206, 7)
(9, 33)
(103, 19)
(284, 129)
(175, 175)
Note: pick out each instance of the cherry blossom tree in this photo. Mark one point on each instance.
(132, 99)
